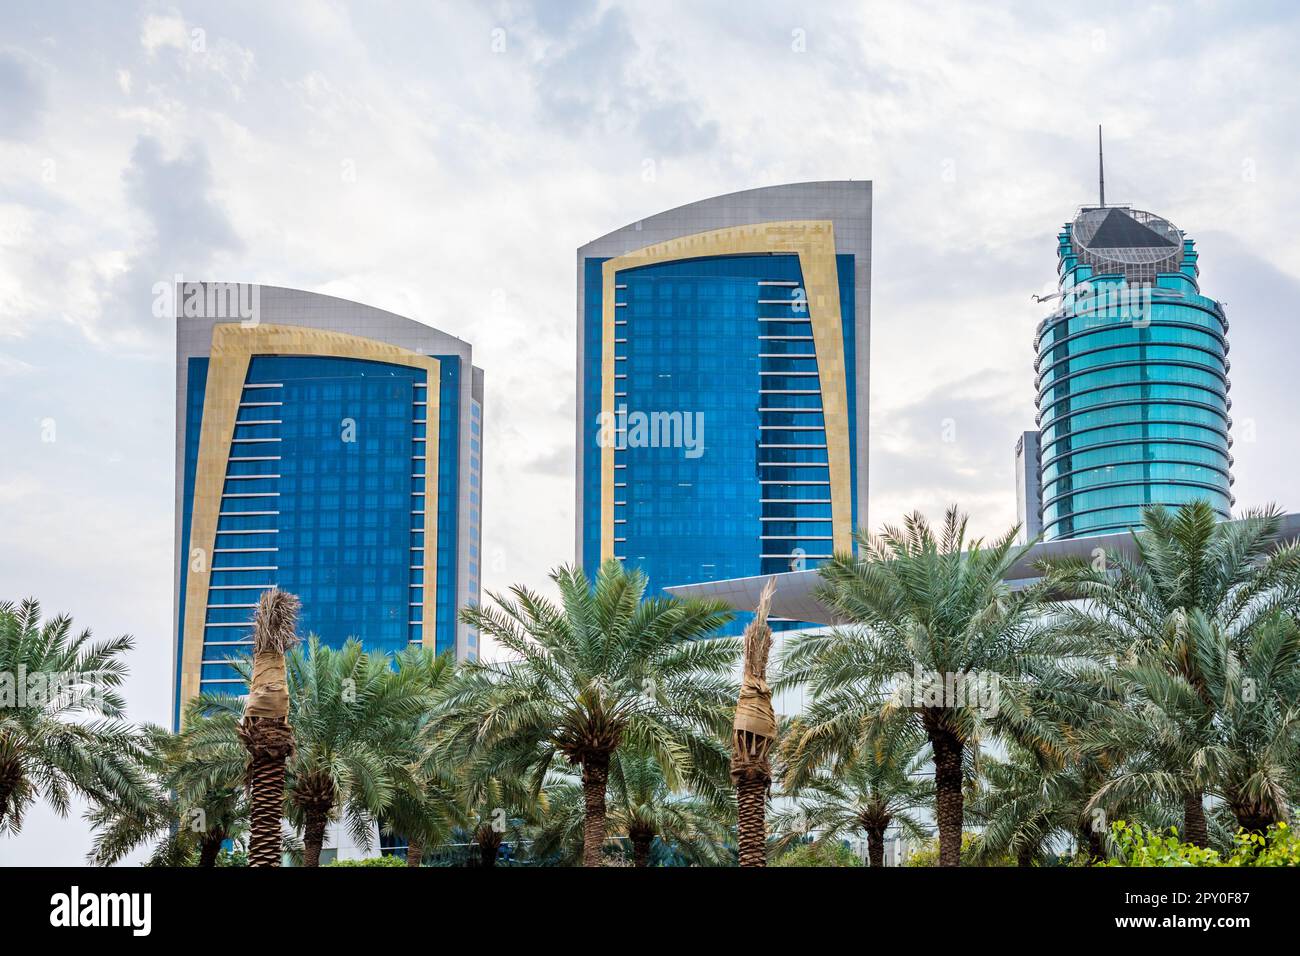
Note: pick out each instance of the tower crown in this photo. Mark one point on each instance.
(1131, 242)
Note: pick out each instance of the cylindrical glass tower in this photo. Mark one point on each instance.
(1132, 377)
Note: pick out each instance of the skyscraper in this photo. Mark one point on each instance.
(723, 384)
(1029, 506)
(1132, 377)
(330, 449)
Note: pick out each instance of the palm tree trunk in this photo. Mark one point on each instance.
(876, 846)
(1195, 830)
(209, 848)
(1256, 823)
(641, 840)
(11, 773)
(313, 837)
(1025, 856)
(948, 798)
(595, 774)
(265, 731)
(753, 732)
(1092, 841)
(489, 842)
(1251, 816)
(414, 851)
(1096, 844)
(269, 742)
(751, 818)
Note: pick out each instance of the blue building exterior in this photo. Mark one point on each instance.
(313, 457)
(723, 390)
(1132, 378)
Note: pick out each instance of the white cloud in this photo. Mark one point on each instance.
(196, 53)
(11, 367)
(164, 32)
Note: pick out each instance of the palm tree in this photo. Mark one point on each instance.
(642, 809)
(1257, 704)
(693, 825)
(877, 788)
(450, 793)
(1040, 796)
(934, 638)
(1194, 578)
(753, 731)
(265, 730)
(496, 809)
(418, 812)
(1027, 804)
(353, 717)
(557, 837)
(425, 808)
(607, 667)
(1234, 729)
(191, 809)
(61, 727)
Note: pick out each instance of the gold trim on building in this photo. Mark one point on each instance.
(233, 346)
(814, 242)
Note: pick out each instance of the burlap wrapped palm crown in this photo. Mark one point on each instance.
(754, 728)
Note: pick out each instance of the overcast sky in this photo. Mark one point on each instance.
(444, 161)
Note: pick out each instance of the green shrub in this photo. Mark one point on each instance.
(1136, 845)
(372, 861)
(1280, 846)
(224, 858)
(830, 853)
(927, 854)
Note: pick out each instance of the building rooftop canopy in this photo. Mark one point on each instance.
(798, 594)
(1128, 241)
(1119, 230)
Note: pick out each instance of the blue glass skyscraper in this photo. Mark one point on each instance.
(1132, 378)
(723, 384)
(329, 449)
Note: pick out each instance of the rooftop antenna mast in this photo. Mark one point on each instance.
(1101, 169)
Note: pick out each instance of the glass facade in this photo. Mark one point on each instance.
(1132, 378)
(725, 344)
(324, 495)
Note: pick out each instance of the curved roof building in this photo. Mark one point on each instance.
(723, 384)
(330, 449)
(1132, 378)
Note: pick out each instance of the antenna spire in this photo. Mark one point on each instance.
(1101, 169)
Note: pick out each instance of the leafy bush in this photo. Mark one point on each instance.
(371, 861)
(191, 858)
(1279, 847)
(818, 854)
(927, 854)
(1136, 845)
